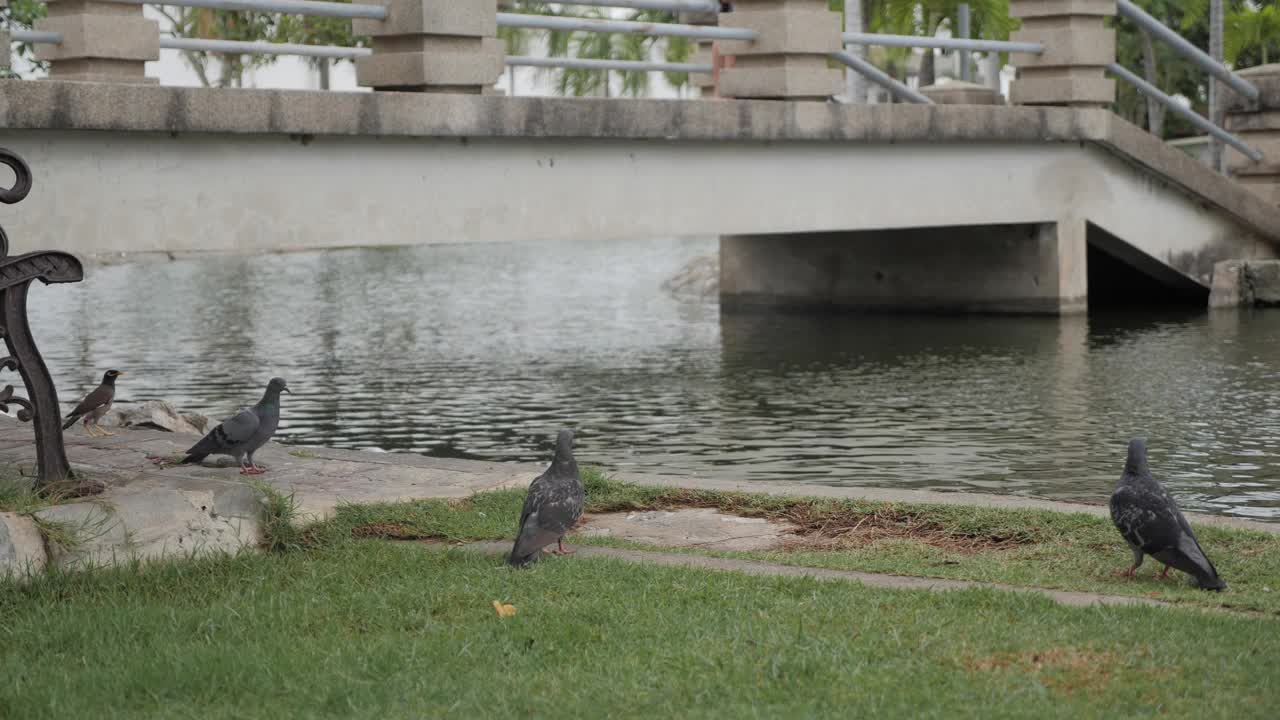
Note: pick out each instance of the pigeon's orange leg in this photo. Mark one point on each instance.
(560, 549)
(1165, 575)
(1126, 573)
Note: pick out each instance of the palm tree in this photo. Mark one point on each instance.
(1252, 28)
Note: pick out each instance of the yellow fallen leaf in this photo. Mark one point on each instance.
(504, 610)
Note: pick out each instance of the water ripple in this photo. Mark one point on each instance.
(482, 351)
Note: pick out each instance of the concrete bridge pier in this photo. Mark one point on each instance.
(1031, 268)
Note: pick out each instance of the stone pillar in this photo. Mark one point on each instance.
(1078, 46)
(789, 59)
(705, 53)
(1036, 268)
(101, 42)
(1258, 124)
(432, 46)
(4, 47)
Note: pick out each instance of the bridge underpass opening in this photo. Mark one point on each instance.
(1121, 276)
(1028, 268)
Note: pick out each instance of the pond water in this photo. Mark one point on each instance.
(483, 351)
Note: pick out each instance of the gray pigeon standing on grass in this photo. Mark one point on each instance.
(551, 508)
(1150, 521)
(240, 435)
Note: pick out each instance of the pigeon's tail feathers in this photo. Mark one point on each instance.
(216, 440)
(71, 420)
(193, 457)
(517, 560)
(1206, 574)
(1190, 559)
(530, 541)
(1211, 581)
(1203, 571)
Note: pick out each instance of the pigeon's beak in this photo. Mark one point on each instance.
(119, 373)
(287, 390)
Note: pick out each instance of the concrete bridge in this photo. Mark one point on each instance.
(1039, 209)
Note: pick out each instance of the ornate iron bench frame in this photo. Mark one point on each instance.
(16, 274)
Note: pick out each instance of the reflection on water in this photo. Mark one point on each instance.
(482, 351)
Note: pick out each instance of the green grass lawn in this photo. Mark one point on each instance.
(337, 622)
(369, 629)
(1040, 548)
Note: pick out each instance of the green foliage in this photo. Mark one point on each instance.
(1252, 30)
(22, 15)
(251, 27)
(1251, 35)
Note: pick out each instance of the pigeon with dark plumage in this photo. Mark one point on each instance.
(551, 508)
(1151, 523)
(95, 406)
(240, 435)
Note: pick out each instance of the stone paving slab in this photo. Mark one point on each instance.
(757, 567)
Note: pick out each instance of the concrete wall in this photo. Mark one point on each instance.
(127, 169)
(104, 192)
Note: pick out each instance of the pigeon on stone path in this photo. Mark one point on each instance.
(240, 435)
(1150, 521)
(551, 508)
(95, 406)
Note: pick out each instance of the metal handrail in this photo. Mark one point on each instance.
(1182, 47)
(1178, 108)
(350, 53)
(34, 36)
(669, 5)
(881, 78)
(313, 8)
(939, 43)
(590, 64)
(241, 47)
(556, 22)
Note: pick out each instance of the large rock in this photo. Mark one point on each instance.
(21, 546)
(177, 519)
(699, 278)
(1246, 283)
(157, 415)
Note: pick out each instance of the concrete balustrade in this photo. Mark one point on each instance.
(789, 59)
(101, 42)
(430, 46)
(1078, 47)
(1258, 124)
(4, 47)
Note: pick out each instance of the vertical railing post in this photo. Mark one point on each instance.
(706, 54)
(1078, 46)
(789, 59)
(101, 41)
(432, 46)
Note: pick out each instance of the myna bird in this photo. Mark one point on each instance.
(1151, 523)
(552, 507)
(240, 435)
(95, 406)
